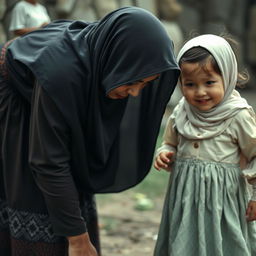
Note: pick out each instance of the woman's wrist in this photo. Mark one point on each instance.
(81, 245)
(79, 239)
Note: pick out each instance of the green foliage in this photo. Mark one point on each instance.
(155, 183)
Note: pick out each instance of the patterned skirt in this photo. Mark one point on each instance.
(25, 227)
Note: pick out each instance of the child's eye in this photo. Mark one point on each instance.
(210, 82)
(188, 84)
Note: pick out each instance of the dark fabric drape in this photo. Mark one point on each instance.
(77, 63)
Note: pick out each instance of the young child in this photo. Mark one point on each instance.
(207, 209)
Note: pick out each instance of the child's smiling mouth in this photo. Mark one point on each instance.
(202, 101)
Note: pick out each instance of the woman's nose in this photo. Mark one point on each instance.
(134, 91)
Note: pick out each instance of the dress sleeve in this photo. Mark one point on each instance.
(170, 138)
(245, 129)
(49, 157)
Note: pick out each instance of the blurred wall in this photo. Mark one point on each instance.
(181, 18)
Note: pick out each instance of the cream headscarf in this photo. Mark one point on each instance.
(195, 124)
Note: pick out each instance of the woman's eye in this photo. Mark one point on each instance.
(152, 81)
(149, 83)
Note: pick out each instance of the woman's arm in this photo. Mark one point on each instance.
(49, 156)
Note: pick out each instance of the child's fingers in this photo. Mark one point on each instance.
(251, 216)
(251, 211)
(248, 213)
(252, 181)
(169, 155)
(159, 163)
(165, 159)
(156, 166)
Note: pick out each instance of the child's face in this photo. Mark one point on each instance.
(202, 87)
(134, 89)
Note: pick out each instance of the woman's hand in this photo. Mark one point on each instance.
(251, 211)
(81, 246)
(164, 160)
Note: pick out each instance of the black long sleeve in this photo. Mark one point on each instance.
(49, 157)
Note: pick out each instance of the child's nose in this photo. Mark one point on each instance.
(200, 91)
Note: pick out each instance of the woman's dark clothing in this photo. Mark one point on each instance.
(25, 227)
(62, 138)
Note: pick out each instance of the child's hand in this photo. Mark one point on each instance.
(163, 161)
(252, 181)
(251, 211)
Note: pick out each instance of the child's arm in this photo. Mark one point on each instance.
(250, 174)
(246, 136)
(166, 153)
(251, 209)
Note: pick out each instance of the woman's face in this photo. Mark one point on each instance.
(133, 89)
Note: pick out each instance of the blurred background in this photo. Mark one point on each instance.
(182, 19)
(129, 220)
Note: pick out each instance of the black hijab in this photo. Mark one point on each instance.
(77, 63)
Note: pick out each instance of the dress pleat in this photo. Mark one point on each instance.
(204, 212)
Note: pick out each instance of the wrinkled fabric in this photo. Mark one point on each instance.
(77, 63)
(204, 212)
(62, 139)
(205, 206)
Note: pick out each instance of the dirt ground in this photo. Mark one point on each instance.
(125, 230)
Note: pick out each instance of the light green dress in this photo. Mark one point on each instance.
(207, 197)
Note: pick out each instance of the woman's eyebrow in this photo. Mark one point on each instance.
(154, 79)
(142, 81)
(139, 81)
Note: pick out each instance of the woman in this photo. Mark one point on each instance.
(69, 127)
